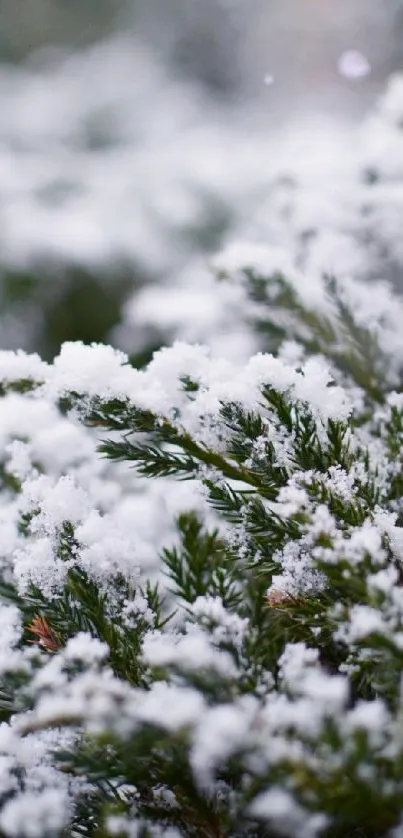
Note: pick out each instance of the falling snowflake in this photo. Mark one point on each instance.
(352, 64)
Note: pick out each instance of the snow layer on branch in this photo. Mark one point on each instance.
(52, 809)
(120, 524)
(192, 307)
(267, 260)
(203, 642)
(45, 803)
(192, 651)
(102, 371)
(101, 502)
(278, 807)
(18, 366)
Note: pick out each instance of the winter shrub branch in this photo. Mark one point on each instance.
(216, 651)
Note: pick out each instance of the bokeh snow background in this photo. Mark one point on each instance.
(137, 139)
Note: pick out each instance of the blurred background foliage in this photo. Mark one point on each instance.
(133, 135)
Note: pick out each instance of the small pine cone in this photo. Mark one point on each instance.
(45, 636)
(277, 598)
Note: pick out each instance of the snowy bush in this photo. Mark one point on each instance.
(201, 557)
(201, 566)
(326, 196)
(117, 185)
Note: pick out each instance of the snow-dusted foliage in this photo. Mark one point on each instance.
(201, 573)
(116, 179)
(201, 558)
(325, 196)
(114, 172)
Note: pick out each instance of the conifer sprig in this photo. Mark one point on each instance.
(221, 657)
